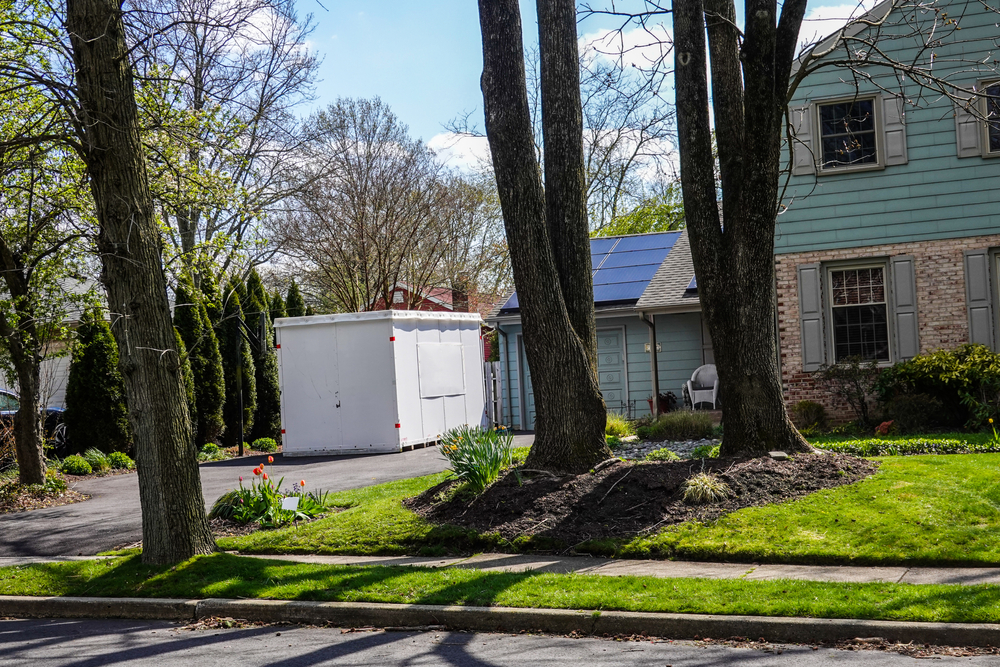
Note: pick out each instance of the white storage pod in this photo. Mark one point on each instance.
(377, 381)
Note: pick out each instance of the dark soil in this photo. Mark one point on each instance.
(627, 499)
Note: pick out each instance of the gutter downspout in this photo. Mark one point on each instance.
(506, 368)
(653, 364)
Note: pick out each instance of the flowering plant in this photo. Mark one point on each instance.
(261, 502)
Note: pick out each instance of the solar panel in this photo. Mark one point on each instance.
(623, 266)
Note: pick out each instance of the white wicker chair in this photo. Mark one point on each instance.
(703, 387)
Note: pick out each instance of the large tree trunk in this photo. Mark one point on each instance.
(735, 264)
(174, 526)
(570, 412)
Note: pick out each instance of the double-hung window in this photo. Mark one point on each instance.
(848, 134)
(992, 92)
(859, 313)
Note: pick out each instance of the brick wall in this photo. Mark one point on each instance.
(941, 316)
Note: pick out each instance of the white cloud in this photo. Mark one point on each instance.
(641, 47)
(823, 21)
(460, 151)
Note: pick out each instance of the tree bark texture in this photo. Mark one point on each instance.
(735, 261)
(570, 412)
(174, 526)
(565, 171)
(24, 346)
(29, 434)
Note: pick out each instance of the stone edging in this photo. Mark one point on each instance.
(505, 619)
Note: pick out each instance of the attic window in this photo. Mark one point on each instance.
(847, 134)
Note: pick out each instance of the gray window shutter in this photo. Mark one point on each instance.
(894, 130)
(904, 307)
(979, 297)
(803, 161)
(967, 130)
(811, 316)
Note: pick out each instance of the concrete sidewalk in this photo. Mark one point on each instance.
(673, 569)
(497, 562)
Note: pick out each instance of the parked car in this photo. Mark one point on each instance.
(55, 429)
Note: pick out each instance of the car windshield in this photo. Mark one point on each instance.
(8, 402)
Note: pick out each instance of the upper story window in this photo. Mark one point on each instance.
(993, 117)
(848, 134)
(859, 313)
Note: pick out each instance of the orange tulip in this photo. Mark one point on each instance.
(256, 471)
(265, 475)
(270, 459)
(302, 483)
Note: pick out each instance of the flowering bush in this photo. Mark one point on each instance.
(477, 456)
(261, 502)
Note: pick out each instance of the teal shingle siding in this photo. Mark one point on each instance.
(679, 336)
(935, 195)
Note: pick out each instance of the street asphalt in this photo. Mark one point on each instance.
(111, 518)
(75, 643)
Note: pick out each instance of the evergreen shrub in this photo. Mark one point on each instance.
(96, 412)
(264, 445)
(121, 461)
(192, 322)
(75, 465)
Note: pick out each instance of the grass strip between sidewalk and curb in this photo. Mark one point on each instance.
(227, 576)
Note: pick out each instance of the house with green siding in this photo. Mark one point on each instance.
(889, 239)
(648, 326)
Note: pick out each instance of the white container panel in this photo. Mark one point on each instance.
(309, 390)
(408, 382)
(367, 386)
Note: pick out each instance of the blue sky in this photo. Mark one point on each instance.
(424, 58)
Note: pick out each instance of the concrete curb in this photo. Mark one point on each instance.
(505, 619)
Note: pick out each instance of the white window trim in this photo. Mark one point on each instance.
(985, 126)
(818, 137)
(849, 265)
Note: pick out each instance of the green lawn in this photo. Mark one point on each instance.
(228, 576)
(915, 510)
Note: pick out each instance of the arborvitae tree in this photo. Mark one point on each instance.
(277, 310)
(236, 353)
(192, 403)
(96, 412)
(277, 306)
(192, 322)
(213, 299)
(267, 421)
(294, 304)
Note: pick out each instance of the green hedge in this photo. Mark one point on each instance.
(908, 446)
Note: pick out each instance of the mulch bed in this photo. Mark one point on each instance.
(22, 500)
(622, 500)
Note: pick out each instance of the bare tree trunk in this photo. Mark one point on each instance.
(174, 526)
(735, 265)
(571, 414)
(29, 436)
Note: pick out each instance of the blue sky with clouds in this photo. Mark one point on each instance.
(424, 58)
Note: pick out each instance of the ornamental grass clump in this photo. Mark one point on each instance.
(97, 459)
(705, 488)
(618, 426)
(262, 502)
(476, 455)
